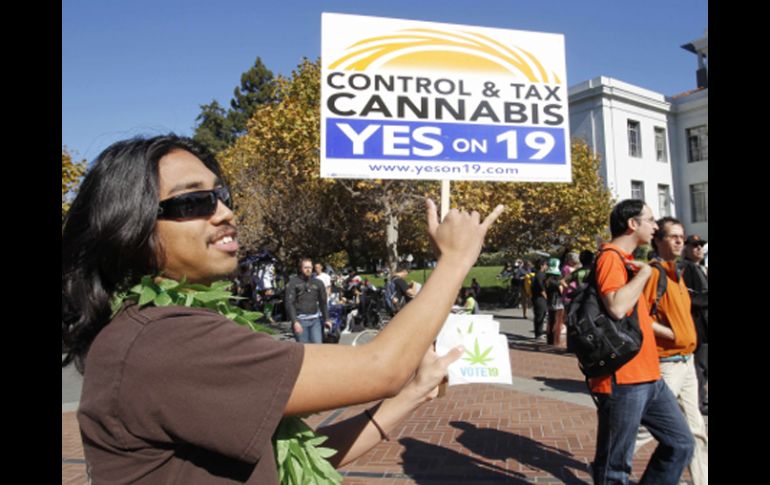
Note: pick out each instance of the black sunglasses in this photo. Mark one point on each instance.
(202, 203)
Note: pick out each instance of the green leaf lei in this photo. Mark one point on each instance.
(299, 458)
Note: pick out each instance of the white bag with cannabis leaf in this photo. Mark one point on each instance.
(486, 359)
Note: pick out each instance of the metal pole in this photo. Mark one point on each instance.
(444, 198)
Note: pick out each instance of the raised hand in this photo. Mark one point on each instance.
(460, 235)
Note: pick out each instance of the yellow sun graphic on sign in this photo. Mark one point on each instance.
(431, 49)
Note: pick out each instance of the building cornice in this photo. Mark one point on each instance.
(693, 101)
(604, 87)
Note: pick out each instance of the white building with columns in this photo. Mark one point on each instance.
(652, 147)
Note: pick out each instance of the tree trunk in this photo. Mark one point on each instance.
(391, 234)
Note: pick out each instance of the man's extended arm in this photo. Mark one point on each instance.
(382, 367)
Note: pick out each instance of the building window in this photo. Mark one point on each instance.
(664, 200)
(697, 144)
(637, 190)
(634, 139)
(699, 202)
(660, 145)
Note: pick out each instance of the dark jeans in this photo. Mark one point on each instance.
(312, 331)
(540, 307)
(620, 413)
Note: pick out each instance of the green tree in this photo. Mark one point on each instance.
(390, 208)
(555, 217)
(71, 174)
(282, 203)
(218, 128)
(214, 128)
(257, 88)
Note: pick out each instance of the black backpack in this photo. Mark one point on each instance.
(601, 343)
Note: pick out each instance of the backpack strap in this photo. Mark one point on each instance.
(661, 288)
(629, 271)
(592, 276)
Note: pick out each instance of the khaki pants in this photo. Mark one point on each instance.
(681, 379)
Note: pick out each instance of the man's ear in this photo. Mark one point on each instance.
(632, 224)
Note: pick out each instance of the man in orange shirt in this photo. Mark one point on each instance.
(676, 340)
(635, 394)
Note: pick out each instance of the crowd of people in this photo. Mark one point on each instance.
(181, 394)
(546, 284)
(348, 302)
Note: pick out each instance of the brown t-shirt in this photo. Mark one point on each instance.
(184, 396)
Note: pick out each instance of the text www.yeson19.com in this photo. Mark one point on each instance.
(468, 168)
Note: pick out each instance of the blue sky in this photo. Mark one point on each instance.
(145, 66)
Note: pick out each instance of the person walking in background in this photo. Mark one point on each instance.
(506, 272)
(539, 299)
(398, 292)
(695, 276)
(517, 275)
(306, 306)
(476, 287)
(319, 274)
(553, 290)
(526, 286)
(571, 264)
(635, 393)
(578, 276)
(676, 339)
(470, 304)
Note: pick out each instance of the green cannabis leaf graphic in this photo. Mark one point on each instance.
(470, 329)
(477, 357)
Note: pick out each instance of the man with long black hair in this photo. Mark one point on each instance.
(173, 394)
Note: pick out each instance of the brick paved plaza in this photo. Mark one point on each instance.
(539, 430)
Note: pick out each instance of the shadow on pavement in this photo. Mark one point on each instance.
(566, 385)
(529, 344)
(509, 317)
(501, 445)
(429, 464)
(426, 463)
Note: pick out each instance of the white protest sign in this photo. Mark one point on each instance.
(486, 359)
(456, 327)
(404, 99)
